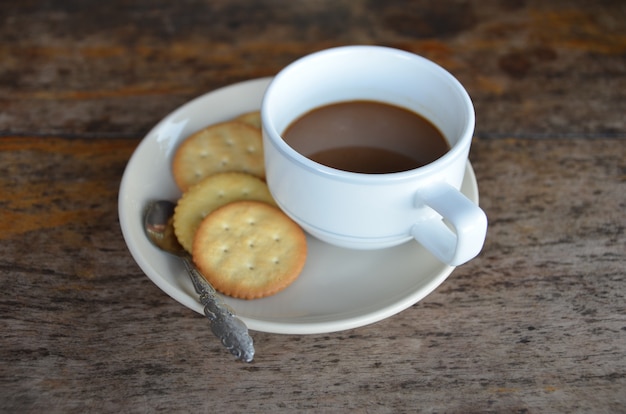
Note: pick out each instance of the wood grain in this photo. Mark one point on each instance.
(536, 323)
(109, 70)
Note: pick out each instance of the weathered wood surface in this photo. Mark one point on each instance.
(537, 323)
(113, 68)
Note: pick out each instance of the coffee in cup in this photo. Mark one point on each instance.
(366, 137)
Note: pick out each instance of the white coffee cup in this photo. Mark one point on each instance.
(373, 211)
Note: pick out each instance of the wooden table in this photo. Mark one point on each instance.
(536, 323)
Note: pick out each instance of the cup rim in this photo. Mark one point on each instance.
(275, 137)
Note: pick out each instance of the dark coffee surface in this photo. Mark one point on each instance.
(368, 160)
(366, 137)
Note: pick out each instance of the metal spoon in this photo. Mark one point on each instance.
(224, 324)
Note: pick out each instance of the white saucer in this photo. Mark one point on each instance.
(338, 288)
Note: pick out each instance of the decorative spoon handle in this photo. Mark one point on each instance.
(231, 330)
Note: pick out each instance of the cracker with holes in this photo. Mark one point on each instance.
(224, 147)
(211, 193)
(249, 249)
(251, 118)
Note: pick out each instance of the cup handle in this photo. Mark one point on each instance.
(469, 223)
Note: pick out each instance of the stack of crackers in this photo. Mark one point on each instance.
(243, 244)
